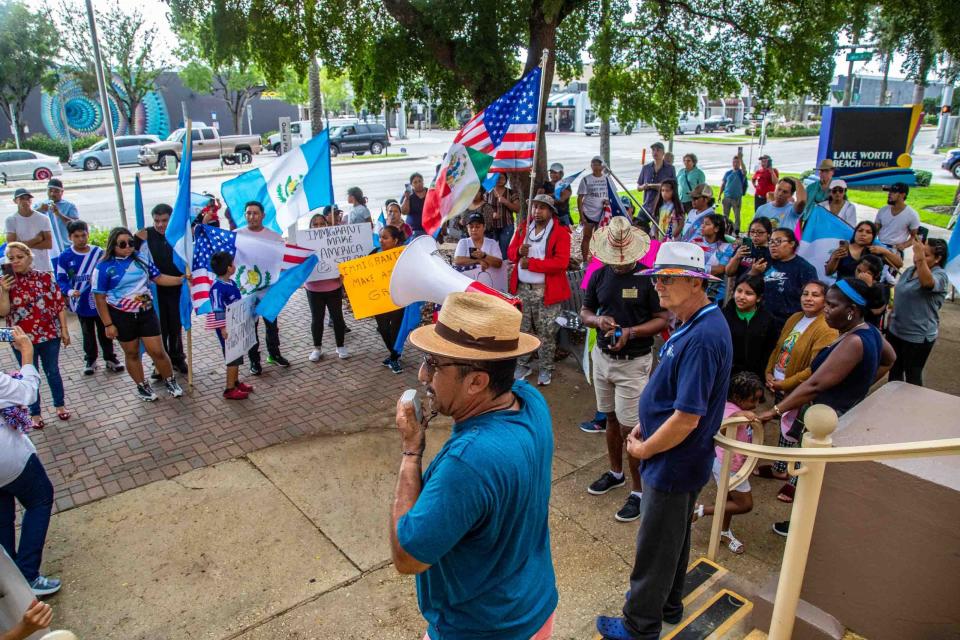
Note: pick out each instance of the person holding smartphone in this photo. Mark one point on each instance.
(479, 257)
(31, 300)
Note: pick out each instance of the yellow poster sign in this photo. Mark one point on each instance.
(367, 282)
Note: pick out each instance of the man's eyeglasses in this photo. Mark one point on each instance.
(665, 280)
(432, 364)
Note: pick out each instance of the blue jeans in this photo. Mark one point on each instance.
(33, 490)
(49, 354)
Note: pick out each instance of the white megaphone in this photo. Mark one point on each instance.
(422, 275)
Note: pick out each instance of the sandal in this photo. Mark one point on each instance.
(63, 414)
(612, 628)
(766, 471)
(734, 545)
(697, 513)
(39, 424)
(787, 492)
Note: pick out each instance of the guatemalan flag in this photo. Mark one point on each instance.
(499, 139)
(820, 237)
(290, 187)
(263, 268)
(953, 257)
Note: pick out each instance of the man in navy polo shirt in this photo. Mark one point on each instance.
(680, 411)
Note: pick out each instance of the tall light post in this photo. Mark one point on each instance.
(105, 107)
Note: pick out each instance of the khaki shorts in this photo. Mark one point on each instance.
(618, 385)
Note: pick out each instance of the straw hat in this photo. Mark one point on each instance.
(475, 326)
(680, 259)
(619, 242)
(703, 189)
(825, 165)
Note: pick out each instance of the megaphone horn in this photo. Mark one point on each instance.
(422, 275)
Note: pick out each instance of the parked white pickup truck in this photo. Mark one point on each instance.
(207, 143)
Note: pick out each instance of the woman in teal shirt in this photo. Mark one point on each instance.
(687, 179)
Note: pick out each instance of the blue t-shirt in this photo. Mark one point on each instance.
(75, 273)
(481, 523)
(783, 284)
(61, 239)
(781, 217)
(126, 281)
(693, 376)
(734, 183)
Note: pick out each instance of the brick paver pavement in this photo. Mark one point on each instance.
(114, 441)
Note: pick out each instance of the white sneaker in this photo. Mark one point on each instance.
(315, 355)
(544, 378)
(342, 353)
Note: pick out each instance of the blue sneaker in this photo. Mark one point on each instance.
(43, 586)
(613, 628)
(591, 426)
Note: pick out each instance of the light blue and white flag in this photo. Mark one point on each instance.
(565, 183)
(953, 257)
(821, 237)
(290, 187)
(138, 203)
(179, 232)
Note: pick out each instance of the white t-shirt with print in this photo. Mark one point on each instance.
(591, 193)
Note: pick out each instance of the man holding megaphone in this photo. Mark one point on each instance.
(541, 251)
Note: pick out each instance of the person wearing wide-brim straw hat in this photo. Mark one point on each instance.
(487, 488)
(623, 307)
(680, 411)
(818, 191)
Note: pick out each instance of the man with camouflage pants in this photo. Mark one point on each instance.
(541, 252)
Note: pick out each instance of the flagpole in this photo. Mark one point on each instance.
(189, 264)
(536, 145)
(638, 204)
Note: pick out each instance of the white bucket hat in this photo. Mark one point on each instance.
(680, 259)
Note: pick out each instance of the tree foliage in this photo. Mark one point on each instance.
(128, 46)
(28, 45)
(924, 31)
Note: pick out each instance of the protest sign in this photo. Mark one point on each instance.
(241, 328)
(334, 245)
(367, 283)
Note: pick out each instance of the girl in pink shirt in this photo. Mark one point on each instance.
(745, 395)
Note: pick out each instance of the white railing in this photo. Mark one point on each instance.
(815, 451)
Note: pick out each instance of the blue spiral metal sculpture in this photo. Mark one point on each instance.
(82, 115)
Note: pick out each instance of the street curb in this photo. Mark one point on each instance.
(145, 179)
(744, 143)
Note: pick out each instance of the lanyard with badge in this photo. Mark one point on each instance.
(686, 327)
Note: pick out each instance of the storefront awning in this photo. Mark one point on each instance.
(561, 100)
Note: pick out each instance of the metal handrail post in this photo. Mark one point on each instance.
(820, 421)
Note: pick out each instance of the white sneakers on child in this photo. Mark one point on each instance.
(315, 355)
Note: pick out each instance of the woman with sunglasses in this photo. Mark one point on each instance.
(844, 260)
(121, 290)
(838, 204)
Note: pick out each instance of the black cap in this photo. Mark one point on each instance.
(55, 183)
(19, 193)
(898, 187)
(476, 216)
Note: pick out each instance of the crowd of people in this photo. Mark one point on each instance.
(716, 323)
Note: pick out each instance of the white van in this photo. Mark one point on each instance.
(300, 132)
(690, 123)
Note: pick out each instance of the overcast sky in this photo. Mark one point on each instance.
(156, 12)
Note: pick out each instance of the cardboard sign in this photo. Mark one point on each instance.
(241, 328)
(15, 596)
(334, 245)
(367, 282)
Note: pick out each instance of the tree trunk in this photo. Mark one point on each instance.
(316, 99)
(918, 90)
(605, 140)
(886, 78)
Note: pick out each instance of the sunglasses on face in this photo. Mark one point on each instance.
(837, 190)
(123, 244)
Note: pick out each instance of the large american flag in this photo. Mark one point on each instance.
(507, 128)
(208, 240)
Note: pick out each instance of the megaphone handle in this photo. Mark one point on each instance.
(479, 287)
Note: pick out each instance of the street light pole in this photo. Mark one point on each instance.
(105, 107)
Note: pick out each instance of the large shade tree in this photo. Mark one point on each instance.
(28, 45)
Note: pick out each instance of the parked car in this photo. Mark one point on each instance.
(952, 163)
(689, 122)
(718, 123)
(300, 132)
(128, 147)
(20, 164)
(593, 128)
(358, 138)
(207, 143)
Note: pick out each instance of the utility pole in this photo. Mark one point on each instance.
(848, 88)
(105, 106)
(946, 99)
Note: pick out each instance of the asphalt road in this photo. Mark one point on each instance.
(383, 180)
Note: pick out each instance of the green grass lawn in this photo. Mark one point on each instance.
(920, 198)
(723, 140)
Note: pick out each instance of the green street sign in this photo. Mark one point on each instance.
(859, 56)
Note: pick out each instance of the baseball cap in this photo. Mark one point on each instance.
(19, 193)
(556, 166)
(55, 183)
(657, 145)
(476, 216)
(596, 159)
(898, 187)
(838, 183)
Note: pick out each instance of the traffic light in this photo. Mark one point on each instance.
(945, 109)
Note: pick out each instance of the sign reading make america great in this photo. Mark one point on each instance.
(870, 145)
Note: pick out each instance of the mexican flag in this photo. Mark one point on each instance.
(459, 179)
